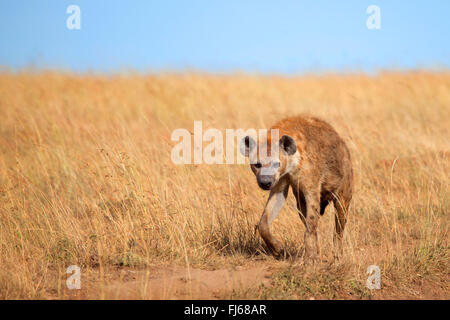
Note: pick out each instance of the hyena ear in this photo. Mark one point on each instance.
(246, 146)
(288, 145)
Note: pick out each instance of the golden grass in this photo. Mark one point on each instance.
(86, 179)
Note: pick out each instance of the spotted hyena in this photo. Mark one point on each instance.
(315, 162)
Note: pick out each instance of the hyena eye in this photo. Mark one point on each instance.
(276, 165)
(258, 165)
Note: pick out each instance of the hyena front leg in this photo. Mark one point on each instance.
(312, 250)
(273, 206)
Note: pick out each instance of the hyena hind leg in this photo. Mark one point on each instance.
(341, 205)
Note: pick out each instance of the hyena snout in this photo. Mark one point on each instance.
(266, 182)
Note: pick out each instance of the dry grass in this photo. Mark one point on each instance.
(86, 178)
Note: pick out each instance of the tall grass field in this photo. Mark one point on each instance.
(87, 179)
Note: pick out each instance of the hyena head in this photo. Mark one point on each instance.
(270, 161)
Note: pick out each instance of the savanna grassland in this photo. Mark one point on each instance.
(86, 179)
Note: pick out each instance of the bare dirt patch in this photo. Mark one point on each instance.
(171, 282)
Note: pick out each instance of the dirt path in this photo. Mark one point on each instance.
(172, 282)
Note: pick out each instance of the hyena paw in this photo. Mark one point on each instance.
(311, 258)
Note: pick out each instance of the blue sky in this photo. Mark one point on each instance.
(225, 36)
